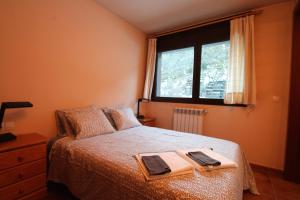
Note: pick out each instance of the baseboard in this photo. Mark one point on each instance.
(266, 169)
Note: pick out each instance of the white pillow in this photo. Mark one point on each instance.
(63, 125)
(124, 118)
(88, 123)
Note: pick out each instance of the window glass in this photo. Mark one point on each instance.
(175, 73)
(213, 72)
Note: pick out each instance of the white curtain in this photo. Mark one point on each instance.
(240, 87)
(150, 68)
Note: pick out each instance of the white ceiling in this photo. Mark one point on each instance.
(153, 16)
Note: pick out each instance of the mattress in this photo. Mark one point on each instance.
(103, 167)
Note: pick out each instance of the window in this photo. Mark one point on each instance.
(214, 64)
(175, 69)
(191, 66)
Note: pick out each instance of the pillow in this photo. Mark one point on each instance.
(63, 126)
(124, 118)
(88, 123)
(107, 112)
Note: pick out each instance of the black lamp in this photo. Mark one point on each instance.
(138, 108)
(8, 105)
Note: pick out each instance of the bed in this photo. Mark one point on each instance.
(103, 167)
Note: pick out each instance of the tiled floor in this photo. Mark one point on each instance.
(270, 185)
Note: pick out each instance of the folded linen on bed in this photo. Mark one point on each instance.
(203, 159)
(177, 165)
(225, 162)
(155, 165)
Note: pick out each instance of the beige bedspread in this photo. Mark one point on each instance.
(103, 167)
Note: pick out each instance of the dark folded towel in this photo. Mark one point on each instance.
(155, 165)
(203, 159)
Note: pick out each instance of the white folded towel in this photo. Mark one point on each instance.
(225, 162)
(176, 163)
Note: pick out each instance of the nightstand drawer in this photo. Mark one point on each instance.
(149, 123)
(22, 172)
(23, 188)
(23, 155)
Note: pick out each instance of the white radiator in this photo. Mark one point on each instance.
(188, 120)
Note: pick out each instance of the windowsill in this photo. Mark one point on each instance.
(215, 102)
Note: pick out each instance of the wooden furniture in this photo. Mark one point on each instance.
(292, 157)
(23, 168)
(148, 121)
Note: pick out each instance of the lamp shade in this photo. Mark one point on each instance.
(9, 105)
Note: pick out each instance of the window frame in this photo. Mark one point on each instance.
(197, 37)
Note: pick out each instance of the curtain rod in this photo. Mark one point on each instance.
(206, 22)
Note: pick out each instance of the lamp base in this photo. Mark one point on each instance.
(140, 117)
(5, 137)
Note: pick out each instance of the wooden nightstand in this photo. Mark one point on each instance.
(23, 168)
(148, 121)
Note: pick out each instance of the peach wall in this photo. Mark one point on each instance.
(65, 53)
(261, 131)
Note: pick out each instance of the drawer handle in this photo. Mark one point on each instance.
(20, 159)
